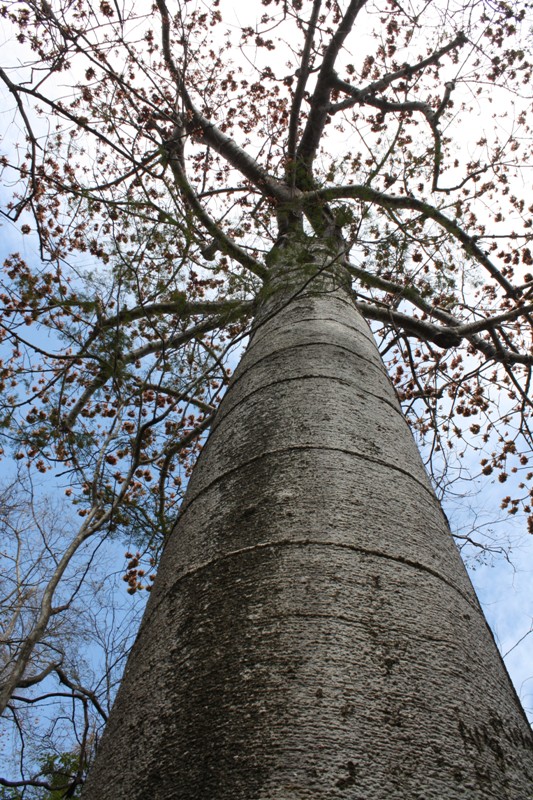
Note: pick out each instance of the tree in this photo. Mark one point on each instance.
(312, 631)
(78, 646)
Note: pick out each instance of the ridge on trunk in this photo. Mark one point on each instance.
(312, 632)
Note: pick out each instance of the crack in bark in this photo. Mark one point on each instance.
(296, 448)
(472, 600)
(308, 376)
(336, 321)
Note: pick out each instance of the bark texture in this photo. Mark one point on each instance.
(313, 632)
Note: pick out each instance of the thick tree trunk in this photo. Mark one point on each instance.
(313, 632)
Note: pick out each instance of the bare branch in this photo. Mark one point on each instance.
(303, 75)
(319, 103)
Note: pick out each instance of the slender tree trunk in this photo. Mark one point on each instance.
(313, 632)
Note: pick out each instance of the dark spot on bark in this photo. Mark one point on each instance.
(447, 339)
(480, 739)
(347, 710)
(394, 717)
(319, 693)
(389, 664)
(345, 783)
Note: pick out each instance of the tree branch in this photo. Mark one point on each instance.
(366, 193)
(303, 75)
(369, 92)
(178, 306)
(319, 102)
(446, 337)
(201, 128)
(65, 680)
(367, 96)
(224, 242)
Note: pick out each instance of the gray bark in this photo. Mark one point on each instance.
(313, 632)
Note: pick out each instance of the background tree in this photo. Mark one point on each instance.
(72, 669)
(171, 157)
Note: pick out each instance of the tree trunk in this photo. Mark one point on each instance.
(313, 632)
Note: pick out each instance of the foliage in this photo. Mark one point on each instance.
(58, 778)
(167, 151)
(61, 770)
